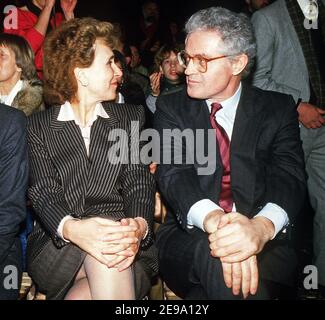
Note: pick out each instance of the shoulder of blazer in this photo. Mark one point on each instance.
(275, 104)
(9, 112)
(123, 111)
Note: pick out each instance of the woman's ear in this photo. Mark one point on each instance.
(81, 76)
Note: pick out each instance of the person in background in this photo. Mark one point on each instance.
(253, 5)
(13, 186)
(36, 19)
(129, 91)
(290, 59)
(135, 63)
(19, 84)
(169, 76)
(92, 237)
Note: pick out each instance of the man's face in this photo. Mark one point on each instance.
(151, 9)
(218, 81)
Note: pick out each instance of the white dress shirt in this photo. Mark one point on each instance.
(8, 100)
(197, 213)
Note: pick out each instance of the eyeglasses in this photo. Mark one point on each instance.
(200, 63)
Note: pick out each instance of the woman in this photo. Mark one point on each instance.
(19, 84)
(36, 19)
(169, 75)
(93, 230)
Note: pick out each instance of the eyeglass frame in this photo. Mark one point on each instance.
(196, 56)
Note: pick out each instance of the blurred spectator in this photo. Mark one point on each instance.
(253, 5)
(19, 84)
(36, 19)
(130, 92)
(169, 75)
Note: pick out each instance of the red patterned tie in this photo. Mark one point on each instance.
(225, 199)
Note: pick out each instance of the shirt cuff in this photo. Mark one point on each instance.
(277, 216)
(199, 211)
(60, 228)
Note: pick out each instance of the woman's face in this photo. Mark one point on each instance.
(171, 68)
(9, 71)
(101, 77)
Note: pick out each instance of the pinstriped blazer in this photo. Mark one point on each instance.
(65, 181)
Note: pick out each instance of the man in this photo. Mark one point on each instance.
(13, 184)
(290, 39)
(227, 227)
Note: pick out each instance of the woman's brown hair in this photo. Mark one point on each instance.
(69, 46)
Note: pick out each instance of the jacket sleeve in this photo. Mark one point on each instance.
(13, 179)
(178, 182)
(45, 189)
(285, 172)
(266, 41)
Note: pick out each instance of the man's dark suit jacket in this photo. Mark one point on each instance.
(13, 186)
(266, 166)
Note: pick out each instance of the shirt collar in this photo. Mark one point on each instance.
(67, 114)
(8, 100)
(229, 106)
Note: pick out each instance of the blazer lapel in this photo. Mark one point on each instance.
(242, 149)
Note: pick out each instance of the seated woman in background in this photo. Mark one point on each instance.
(168, 76)
(19, 84)
(38, 17)
(94, 213)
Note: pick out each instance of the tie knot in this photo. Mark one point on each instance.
(215, 107)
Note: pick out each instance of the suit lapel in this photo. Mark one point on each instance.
(245, 135)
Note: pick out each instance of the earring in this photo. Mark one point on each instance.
(84, 83)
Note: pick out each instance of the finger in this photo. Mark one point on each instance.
(119, 229)
(227, 274)
(223, 252)
(225, 231)
(237, 257)
(321, 111)
(125, 264)
(113, 249)
(128, 240)
(254, 275)
(116, 261)
(236, 278)
(227, 240)
(105, 222)
(246, 278)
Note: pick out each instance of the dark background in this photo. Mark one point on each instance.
(124, 11)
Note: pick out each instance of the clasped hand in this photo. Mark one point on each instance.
(112, 243)
(236, 240)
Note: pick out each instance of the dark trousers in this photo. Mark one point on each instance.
(189, 270)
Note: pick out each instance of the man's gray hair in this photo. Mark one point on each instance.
(235, 29)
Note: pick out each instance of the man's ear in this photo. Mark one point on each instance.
(81, 76)
(239, 63)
